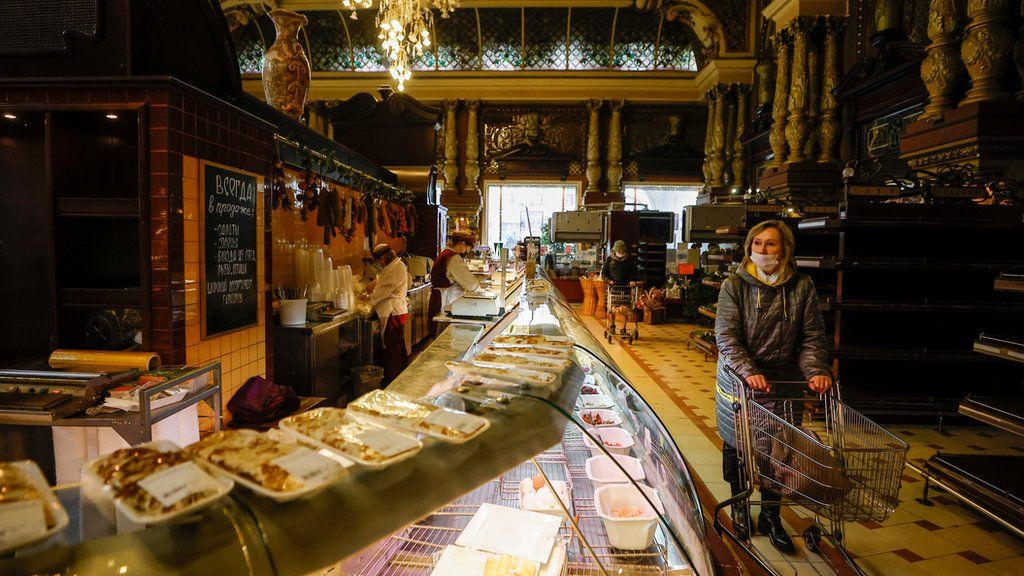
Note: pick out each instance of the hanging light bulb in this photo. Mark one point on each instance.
(404, 31)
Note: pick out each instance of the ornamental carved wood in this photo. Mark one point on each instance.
(560, 130)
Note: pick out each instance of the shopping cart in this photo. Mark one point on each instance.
(622, 299)
(842, 467)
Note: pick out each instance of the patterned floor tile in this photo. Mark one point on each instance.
(951, 565)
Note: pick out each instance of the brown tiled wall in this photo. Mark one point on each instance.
(180, 122)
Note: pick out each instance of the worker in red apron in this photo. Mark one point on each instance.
(450, 277)
(388, 295)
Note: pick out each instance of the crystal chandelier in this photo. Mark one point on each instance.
(404, 30)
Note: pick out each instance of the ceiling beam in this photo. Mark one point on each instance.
(521, 86)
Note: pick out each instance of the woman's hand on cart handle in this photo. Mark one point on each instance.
(820, 384)
(758, 382)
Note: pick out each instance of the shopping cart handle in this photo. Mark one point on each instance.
(743, 380)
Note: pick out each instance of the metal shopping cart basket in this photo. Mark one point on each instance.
(619, 297)
(840, 466)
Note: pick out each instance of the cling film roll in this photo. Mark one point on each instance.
(103, 360)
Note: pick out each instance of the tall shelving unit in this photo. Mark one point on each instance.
(909, 288)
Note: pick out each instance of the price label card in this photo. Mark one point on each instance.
(308, 466)
(387, 443)
(462, 423)
(170, 486)
(21, 522)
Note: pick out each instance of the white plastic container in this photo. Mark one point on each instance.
(586, 401)
(601, 470)
(615, 440)
(608, 417)
(293, 312)
(636, 533)
(48, 500)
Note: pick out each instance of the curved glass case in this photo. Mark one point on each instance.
(627, 503)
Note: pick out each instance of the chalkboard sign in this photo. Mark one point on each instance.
(228, 243)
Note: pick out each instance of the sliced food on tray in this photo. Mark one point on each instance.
(553, 365)
(156, 481)
(539, 340)
(363, 442)
(264, 464)
(392, 409)
(529, 351)
(507, 374)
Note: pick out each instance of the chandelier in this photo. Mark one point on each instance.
(404, 30)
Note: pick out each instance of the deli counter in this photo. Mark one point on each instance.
(571, 473)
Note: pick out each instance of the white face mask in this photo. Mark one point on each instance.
(765, 262)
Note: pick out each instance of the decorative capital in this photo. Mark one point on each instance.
(450, 105)
(835, 25)
(472, 105)
(616, 105)
(594, 104)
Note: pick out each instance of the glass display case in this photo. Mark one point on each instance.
(602, 496)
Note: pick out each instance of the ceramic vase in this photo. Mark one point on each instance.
(286, 72)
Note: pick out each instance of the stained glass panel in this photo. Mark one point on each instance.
(502, 38)
(589, 36)
(457, 47)
(249, 44)
(635, 35)
(676, 49)
(368, 56)
(328, 44)
(545, 39)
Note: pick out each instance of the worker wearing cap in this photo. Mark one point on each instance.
(450, 277)
(388, 296)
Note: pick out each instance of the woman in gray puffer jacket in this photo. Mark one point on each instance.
(768, 328)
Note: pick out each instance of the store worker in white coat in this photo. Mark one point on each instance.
(450, 277)
(388, 295)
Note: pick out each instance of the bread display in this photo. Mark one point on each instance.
(363, 442)
(254, 457)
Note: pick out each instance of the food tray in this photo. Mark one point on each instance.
(588, 401)
(357, 409)
(281, 496)
(35, 479)
(608, 417)
(613, 434)
(518, 362)
(535, 340)
(510, 374)
(530, 352)
(288, 424)
(602, 470)
(224, 485)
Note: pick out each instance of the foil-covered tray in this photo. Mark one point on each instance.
(362, 442)
(391, 409)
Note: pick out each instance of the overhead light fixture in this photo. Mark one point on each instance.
(10, 116)
(112, 116)
(404, 30)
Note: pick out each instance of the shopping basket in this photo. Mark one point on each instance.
(841, 466)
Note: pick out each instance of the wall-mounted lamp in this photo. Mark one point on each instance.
(10, 116)
(112, 116)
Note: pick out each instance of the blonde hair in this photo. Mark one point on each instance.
(787, 262)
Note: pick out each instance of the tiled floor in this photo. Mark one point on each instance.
(942, 539)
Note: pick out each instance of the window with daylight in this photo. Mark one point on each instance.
(514, 210)
(661, 197)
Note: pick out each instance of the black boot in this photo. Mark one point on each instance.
(769, 523)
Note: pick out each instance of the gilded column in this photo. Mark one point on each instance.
(765, 84)
(472, 148)
(1018, 54)
(828, 120)
(614, 173)
(451, 146)
(811, 148)
(594, 147)
(709, 134)
(718, 137)
(942, 64)
(730, 134)
(796, 126)
(780, 111)
(739, 155)
(986, 49)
